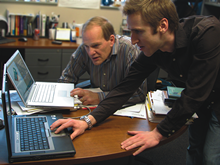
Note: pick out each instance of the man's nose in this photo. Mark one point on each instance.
(91, 51)
(134, 39)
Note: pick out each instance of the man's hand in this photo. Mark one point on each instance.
(144, 139)
(78, 126)
(86, 96)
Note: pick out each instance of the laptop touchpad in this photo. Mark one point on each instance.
(62, 93)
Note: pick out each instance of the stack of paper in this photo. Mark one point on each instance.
(156, 103)
(157, 110)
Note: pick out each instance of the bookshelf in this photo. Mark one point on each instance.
(18, 23)
(24, 24)
(47, 2)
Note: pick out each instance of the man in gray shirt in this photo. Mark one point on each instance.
(106, 57)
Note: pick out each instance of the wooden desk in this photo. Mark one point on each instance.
(99, 144)
(42, 43)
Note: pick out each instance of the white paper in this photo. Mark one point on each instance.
(158, 105)
(86, 4)
(19, 111)
(137, 110)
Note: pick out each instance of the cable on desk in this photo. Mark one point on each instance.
(78, 117)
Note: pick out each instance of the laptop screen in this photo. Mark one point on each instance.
(20, 75)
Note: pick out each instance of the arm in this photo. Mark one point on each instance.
(138, 96)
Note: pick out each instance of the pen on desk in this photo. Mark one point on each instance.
(84, 108)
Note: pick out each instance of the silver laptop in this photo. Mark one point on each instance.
(37, 94)
(29, 136)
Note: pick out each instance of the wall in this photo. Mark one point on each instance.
(66, 14)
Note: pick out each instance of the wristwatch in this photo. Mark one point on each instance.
(87, 120)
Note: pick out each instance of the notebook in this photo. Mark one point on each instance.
(37, 94)
(25, 142)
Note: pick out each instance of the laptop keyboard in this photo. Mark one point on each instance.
(32, 133)
(44, 93)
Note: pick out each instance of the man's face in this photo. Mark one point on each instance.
(96, 46)
(142, 35)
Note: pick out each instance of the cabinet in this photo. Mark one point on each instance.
(44, 64)
(48, 64)
(211, 7)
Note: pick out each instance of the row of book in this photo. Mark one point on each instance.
(18, 25)
(25, 24)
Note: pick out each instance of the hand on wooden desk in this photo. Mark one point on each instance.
(142, 139)
(78, 126)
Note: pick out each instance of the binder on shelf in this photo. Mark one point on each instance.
(21, 26)
(12, 29)
(17, 25)
(25, 25)
(9, 22)
(43, 27)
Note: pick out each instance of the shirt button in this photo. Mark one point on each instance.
(181, 75)
(174, 59)
(212, 102)
(169, 134)
(104, 74)
(103, 85)
(187, 119)
(173, 131)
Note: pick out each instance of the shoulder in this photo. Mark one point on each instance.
(80, 51)
(199, 24)
(123, 43)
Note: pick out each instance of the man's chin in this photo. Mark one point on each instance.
(96, 62)
(147, 54)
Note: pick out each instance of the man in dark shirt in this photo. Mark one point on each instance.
(189, 50)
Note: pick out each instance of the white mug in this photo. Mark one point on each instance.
(52, 34)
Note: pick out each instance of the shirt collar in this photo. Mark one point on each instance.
(181, 39)
(115, 47)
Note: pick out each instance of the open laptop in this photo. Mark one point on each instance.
(25, 142)
(37, 94)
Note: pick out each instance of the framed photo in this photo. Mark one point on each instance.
(63, 34)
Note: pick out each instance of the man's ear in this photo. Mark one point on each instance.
(112, 40)
(164, 24)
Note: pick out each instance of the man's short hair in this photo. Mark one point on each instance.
(152, 11)
(107, 27)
